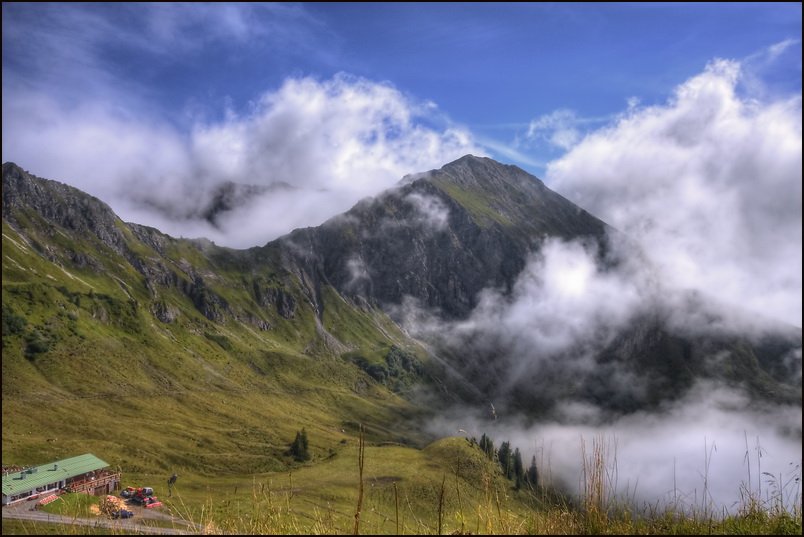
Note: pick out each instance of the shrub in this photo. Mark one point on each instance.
(12, 323)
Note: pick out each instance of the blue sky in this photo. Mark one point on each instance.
(626, 109)
(491, 68)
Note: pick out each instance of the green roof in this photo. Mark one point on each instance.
(45, 474)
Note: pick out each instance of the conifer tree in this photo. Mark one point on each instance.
(487, 446)
(506, 459)
(533, 474)
(299, 449)
(519, 469)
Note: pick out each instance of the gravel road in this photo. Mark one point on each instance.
(139, 523)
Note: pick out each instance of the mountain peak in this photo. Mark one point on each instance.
(495, 193)
(473, 171)
(469, 159)
(487, 172)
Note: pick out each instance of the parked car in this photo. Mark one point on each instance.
(137, 495)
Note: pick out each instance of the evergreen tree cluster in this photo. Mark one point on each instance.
(511, 463)
(299, 449)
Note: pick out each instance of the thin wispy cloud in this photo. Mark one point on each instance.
(561, 129)
(152, 60)
(775, 50)
(510, 152)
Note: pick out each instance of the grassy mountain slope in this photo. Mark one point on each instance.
(157, 353)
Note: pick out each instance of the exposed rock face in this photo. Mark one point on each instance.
(284, 301)
(64, 205)
(442, 236)
(83, 217)
(163, 312)
(285, 304)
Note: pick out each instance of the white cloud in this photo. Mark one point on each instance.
(336, 141)
(710, 186)
(538, 344)
(343, 133)
(559, 299)
(430, 213)
(78, 94)
(358, 272)
(701, 451)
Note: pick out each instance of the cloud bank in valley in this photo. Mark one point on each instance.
(538, 346)
(708, 450)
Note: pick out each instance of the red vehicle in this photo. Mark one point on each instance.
(137, 495)
(151, 502)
